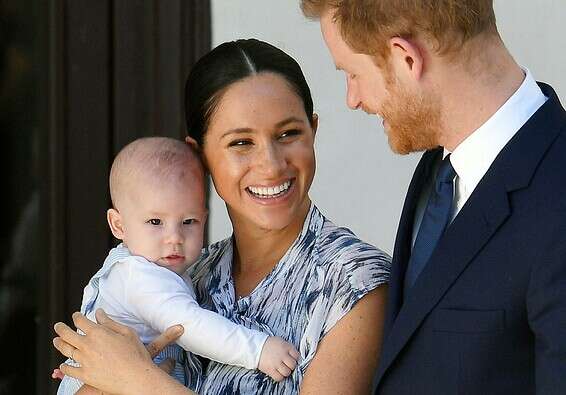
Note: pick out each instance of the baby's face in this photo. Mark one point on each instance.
(164, 222)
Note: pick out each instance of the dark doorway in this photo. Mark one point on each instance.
(79, 79)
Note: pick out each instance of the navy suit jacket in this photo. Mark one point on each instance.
(488, 313)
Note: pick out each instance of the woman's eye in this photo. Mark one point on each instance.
(154, 221)
(189, 221)
(239, 143)
(290, 133)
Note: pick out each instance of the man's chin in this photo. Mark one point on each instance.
(403, 146)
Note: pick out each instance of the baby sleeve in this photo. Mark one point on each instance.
(161, 298)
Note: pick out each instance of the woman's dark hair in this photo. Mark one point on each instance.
(231, 62)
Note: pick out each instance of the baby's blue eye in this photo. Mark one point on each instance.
(188, 221)
(154, 221)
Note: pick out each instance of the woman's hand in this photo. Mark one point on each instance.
(112, 358)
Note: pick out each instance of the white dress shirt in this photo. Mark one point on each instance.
(473, 157)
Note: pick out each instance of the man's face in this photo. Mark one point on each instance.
(366, 82)
(411, 118)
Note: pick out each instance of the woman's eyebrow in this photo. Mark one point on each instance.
(288, 120)
(236, 131)
(279, 124)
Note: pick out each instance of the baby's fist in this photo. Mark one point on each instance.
(278, 358)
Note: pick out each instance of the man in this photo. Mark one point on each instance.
(478, 287)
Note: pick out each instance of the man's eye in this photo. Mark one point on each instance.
(189, 221)
(154, 221)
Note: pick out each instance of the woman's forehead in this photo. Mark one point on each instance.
(260, 100)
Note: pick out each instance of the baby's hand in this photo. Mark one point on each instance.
(278, 358)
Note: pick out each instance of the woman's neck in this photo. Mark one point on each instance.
(257, 250)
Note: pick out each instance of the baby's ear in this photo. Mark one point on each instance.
(115, 222)
(193, 143)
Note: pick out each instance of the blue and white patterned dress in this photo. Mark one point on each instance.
(320, 278)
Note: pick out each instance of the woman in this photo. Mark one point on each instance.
(286, 270)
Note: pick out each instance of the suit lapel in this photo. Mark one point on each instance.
(476, 223)
(482, 215)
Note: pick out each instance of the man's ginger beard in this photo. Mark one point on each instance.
(413, 120)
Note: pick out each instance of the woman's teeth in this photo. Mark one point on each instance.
(270, 192)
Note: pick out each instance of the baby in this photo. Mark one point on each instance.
(158, 198)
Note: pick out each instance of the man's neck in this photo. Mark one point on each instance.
(471, 94)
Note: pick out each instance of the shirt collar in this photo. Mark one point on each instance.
(473, 157)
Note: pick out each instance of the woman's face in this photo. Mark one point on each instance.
(259, 149)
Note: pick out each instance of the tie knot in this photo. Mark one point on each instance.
(446, 172)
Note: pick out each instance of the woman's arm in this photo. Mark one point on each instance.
(346, 358)
(113, 359)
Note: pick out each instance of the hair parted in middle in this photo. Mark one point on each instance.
(367, 25)
(229, 63)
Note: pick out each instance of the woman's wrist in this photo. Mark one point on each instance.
(154, 381)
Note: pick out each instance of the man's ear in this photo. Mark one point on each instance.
(407, 57)
(314, 123)
(115, 222)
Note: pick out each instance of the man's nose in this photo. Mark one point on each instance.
(352, 95)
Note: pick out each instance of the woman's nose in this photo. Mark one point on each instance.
(271, 160)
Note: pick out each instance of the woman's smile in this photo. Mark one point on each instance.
(271, 194)
(260, 152)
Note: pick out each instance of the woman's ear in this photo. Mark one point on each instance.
(314, 123)
(115, 222)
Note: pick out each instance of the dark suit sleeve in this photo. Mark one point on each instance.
(546, 308)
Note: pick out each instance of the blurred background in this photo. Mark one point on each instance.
(81, 78)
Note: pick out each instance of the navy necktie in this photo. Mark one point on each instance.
(435, 219)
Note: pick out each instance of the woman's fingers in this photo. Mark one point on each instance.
(71, 371)
(67, 334)
(83, 323)
(64, 348)
(107, 322)
(169, 336)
